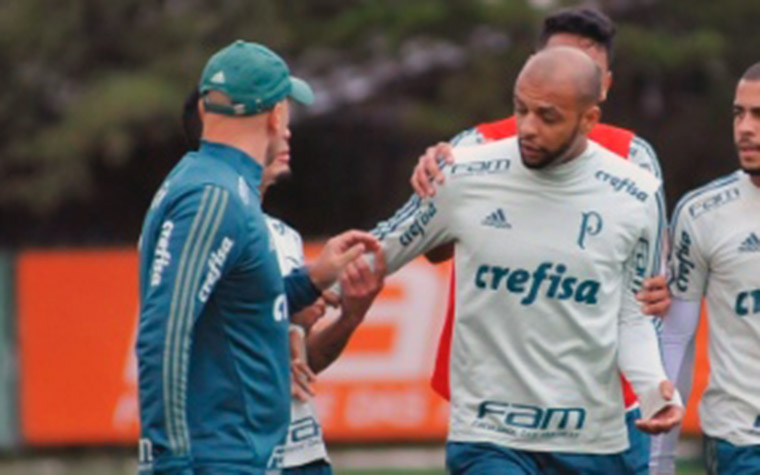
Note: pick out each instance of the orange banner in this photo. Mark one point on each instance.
(77, 312)
(77, 324)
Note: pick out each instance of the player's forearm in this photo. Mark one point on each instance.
(678, 332)
(679, 329)
(324, 347)
(639, 355)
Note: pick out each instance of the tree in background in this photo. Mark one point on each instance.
(92, 93)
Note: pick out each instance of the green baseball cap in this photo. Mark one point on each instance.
(253, 77)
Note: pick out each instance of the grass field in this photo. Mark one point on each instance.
(121, 464)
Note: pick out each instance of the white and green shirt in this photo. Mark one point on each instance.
(547, 265)
(304, 443)
(716, 254)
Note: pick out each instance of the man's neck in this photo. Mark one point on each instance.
(253, 141)
(755, 179)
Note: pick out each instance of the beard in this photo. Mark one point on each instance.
(748, 168)
(557, 156)
(754, 171)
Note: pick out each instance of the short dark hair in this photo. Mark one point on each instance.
(752, 73)
(192, 125)
(585, 22)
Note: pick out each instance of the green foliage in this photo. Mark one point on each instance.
(92, 88)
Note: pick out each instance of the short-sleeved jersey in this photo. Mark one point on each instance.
(212, 344)
(716, 254)
(304, 443)
(619, 141)
(547, 263)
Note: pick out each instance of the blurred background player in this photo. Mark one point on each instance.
(212, 344)
(716, 256)
(593, 32)
(550, 252)
(304, 451)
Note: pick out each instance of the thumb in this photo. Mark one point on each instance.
(666, 389)
(352, 254)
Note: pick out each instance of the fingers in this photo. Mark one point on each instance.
(428, 172)
(348, 239)
(351, 255)
(420, 182)
(655, 296)
(380, 266)
(331, 298)
(665, 420)
(302, 379)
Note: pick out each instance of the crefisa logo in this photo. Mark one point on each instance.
(558, 286)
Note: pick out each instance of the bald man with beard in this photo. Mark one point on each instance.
(553, 237)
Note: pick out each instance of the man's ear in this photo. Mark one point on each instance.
(591, 118)
(274, 117)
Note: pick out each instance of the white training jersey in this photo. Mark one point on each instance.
(304, 443)
(716, 253)
(547, 264)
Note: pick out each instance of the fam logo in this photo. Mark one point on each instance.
(520, 281)
(483, 167)
(622, 185)
(714, 202)
(591, 225)
(526, 416)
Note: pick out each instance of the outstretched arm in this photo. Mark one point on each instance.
(360, 284)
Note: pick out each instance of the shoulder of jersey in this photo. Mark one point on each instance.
(197, 174)
(503, 148)
(615, 139)
(622, 175)
(281, 227)
(709, 198)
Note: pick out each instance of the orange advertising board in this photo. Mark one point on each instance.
(77, 313)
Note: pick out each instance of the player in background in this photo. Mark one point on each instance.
(592, 32)
(550, 250)
(212, 346)
(716, 259)
(304, 451)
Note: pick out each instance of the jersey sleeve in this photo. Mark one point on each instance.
(642, 154)
(420, 225)
(466, 138)
(197, 241)
(639, 353)
(300, 291)
(688, 265)
(678, 334)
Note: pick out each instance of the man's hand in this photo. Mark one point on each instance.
(301, 375)
(307, 317)
(361, 284)
(428, 173)
(654, 296)
(337, 253)
(667, 418)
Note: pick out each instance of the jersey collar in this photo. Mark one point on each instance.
(240, 161)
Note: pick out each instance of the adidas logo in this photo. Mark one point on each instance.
(497, 219)
(751, 244)
(218, 78)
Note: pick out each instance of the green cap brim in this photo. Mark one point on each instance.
(301, 91)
